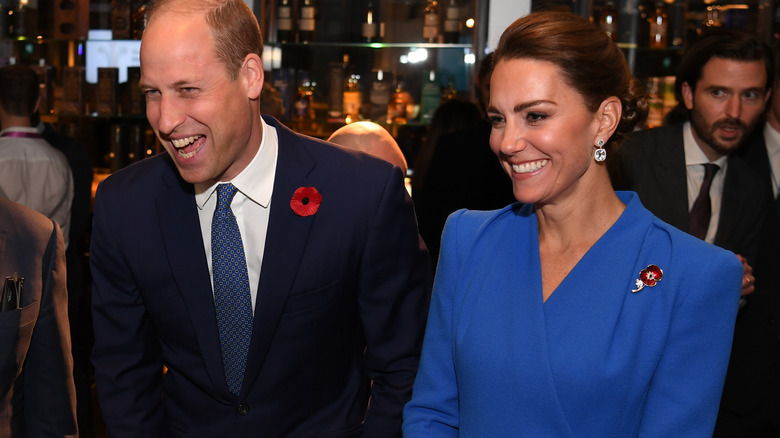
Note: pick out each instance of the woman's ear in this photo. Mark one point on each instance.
(608, 117)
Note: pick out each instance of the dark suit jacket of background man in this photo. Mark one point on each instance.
(37, 397)
(353, 274)
(79, 312)
(653, 165)
(752, 391)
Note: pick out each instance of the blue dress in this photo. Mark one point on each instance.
(595, 359)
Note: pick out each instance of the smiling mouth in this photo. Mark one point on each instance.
(183, 146)
(529, 167)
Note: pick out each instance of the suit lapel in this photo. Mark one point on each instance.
(284, 246)
(181, 233)
(671, 177)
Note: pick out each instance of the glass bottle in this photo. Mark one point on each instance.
(659, 25)
(20, 19)
(430, 96)
(450, 92)
(306, 23)
(608, 20)
(138, 21)
(368, 30)
(452, 23)
(284, 22)
(400, 106)
(303, 108)
(431, 19)
(4, 30)
(655, 103)
(352, 98)
(379, 95)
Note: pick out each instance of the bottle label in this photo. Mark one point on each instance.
(453, 14)
(352, 101)
(306, 24)
(369, 30)
(451, 25)
(307, 12)
(431, 20)
(284, 12)
(301, 107)
(284, 24)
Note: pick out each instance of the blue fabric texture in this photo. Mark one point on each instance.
(231, 289)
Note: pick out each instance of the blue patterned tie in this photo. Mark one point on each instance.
(231, 289)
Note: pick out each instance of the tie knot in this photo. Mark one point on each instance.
(225, 194)
(710, 169)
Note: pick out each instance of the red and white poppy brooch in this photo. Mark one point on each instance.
(648, 277)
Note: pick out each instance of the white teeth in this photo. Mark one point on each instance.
(529, 167)
(183, 142)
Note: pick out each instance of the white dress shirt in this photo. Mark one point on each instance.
(694, 160)
(35, 174)
(251, 206)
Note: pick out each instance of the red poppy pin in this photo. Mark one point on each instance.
(648, 277)
(306, 201)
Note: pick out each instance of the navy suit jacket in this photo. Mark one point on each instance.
(653, 165)
(752, 391)
(37, 396)
(342, 301)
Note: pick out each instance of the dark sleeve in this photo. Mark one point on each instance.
(126, 354)
(49, 393)
(395, 286)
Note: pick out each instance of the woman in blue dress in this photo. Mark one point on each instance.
(576, 312)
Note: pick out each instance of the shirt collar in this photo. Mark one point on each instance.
(693, 153)
(772, 140)
(31, 130)
(256, 181)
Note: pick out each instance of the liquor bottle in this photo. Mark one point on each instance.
(430, 96)
(306, 23)
(4, 21)
(608, 20)
(379, 96)
(452, 23)
(368, 30)
(284, 22)
(655, 103)
(336, 73)
(303, 108)
(400, 106)
(431, 21)
(138, 20)
(20, 19)
(659, 25)
(678, 23)
(450, 92)
(352, 98)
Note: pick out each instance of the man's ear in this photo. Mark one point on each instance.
(253, 75)
(687, 94)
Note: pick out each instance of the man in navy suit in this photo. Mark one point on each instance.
(37, 396)
(338, 278)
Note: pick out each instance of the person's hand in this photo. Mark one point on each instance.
(748, 280)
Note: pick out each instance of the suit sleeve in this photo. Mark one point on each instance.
(434, 408)
(684, 395)
(395, 283)
(49, 393)
(126, 353)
